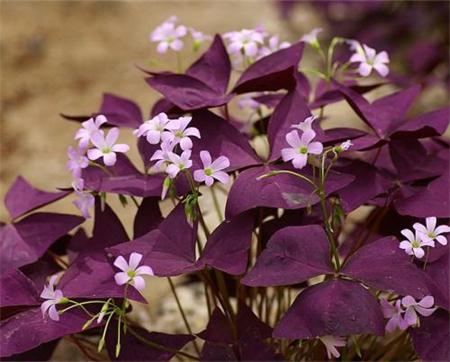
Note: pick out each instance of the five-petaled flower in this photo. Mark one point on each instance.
(54, 297)
(131, 272)
(169, 35)
(89, 128)
(244, 42)
(77, 160)
(369, 59)
(106, 147)
(153, 128)
(331, 343)
(430, 232)
(212, 170)
(179, 132)
(414, 243)
(178, 163)
(394, 314)
(424, 307)
(161, 156)
(300, 148)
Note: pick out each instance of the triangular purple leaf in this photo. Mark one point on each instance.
(17, 290)
(148, 216)
(120, 111)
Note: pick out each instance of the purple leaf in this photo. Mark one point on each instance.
(217, 352)
(273, 72)
(432, 200)
(17, 290)
(336, 307)
(430, 340)
(22, 198)
(291, 110)
(27, 240)
(220, 138)
(213, 67)
(439, 280)
(384, 266)
(121, 112)
(227, 248)
(148, 216)
(280, 191)
(29, 329)
(218, 329)
(293, 255)
(43, 352)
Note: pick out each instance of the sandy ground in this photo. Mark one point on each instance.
(59, 56)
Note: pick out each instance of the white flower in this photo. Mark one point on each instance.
(198, 37)
(311, 37)
(179, 132)
(369, 59)
(424, 308)
(431, 232)
(331, 343)
(300, 148)
(131, 273)
(106, 147)
(53, 297)
(306, 124)
(212, 170)
(89, 127)
(178, 163)
(162, 155)
(153, 128)
(169, 35)
(77, 160)
(272, 46)
(414, 244)
(244, 42)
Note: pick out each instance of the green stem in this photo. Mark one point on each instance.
(216, 203)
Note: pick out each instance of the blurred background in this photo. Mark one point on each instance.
(60, 56)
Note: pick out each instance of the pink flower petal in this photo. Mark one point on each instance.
(121, 278)
(110, 159)
(205, 156)
(138, 282)
(121, 263)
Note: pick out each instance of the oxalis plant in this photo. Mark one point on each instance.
(287, 274)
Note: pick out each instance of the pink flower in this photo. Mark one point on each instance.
(311, 37)
(84, 202)
(273, 46)
(78, 184)
(344, 146)
(247, 101)
(106, 147)
(90, 127)
(369, 59)
(331, 343)
(198, 38)
(300, 148)
(131, 273)
(162, 155)
(53, 297)
(244, 42)
(153, 128)
(414, 243)
(77, 160)
(212, 170)
(394, 314)
(424, 308)
(179, 132)
(169, 35)
(178, 163)
(431, 232)
(305, 125)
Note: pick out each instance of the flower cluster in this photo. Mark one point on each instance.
(423, 235)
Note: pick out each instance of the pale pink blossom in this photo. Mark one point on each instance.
(161, 156)
(77, 160)
(369, 60)
(306, 124)
(53, 296)
(245, 42)
(331, 343)
(178, 132)
(430, 232)
(106, 147)
(178, 163)
(198, 38)
(247, 101)
(212, 169)
(131, 272)
(272, 46)
(413, 245)
(78, 184)
(153, 128)
(169, 35)
(424, 307)
(84, 202)
(344, 146)
(395, 315)
(89, 127)
(311, 37)
(300, 148)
